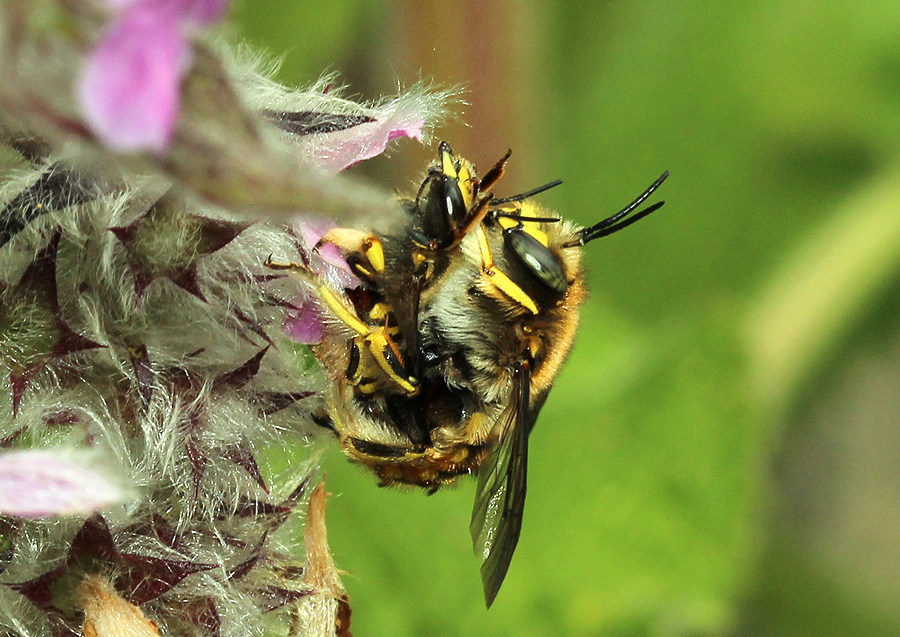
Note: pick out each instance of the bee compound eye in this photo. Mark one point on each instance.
(537, 259)
(454, 202)
(431, 208)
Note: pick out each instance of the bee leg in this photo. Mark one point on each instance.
(379, 345)
(287, 265)
(499, 279)
(474, 219)
(321, 418)
(492, 176)
(384, 351)
(341, 310)
(479, 210)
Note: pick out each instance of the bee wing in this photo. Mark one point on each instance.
(500, 498)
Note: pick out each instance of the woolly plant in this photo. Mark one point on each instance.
(148, 173)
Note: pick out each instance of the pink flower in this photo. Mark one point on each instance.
(129, 88)
(306, 324)
(326, 260)
(341, 149)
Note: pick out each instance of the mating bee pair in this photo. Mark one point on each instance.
(440, 360)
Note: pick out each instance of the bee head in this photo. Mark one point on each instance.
(524, 238)
(445, 199)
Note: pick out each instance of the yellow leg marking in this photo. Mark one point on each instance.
(290, 265)
(357, 374)
(382, 312)
(498, 278)
(379, 311)
(341, 311)
(368, 388)
(376, 344)
(487, 259)
(510, 289)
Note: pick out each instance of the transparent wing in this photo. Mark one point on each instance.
(500, 497)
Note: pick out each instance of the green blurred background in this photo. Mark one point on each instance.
(721, 454)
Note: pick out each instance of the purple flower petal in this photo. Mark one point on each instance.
(119, 5)
(311, 230)
(341, 149)
(198, 12)
(202, 13)
(129, 90)
(38, 483)
(306, 324)
(327, 261)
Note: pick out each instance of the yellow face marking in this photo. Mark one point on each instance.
(531, 227)
(528, 209)
(374, 253)
(448, 165)
(466, 178)
(506, 223)
(539, 235)
(498, 278)
(463, 173)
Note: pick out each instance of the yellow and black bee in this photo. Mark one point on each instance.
(442, 357)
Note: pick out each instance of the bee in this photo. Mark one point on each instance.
(442, 357)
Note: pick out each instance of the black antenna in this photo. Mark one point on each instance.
(526, 195)
(518, 217)
(619, 221)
